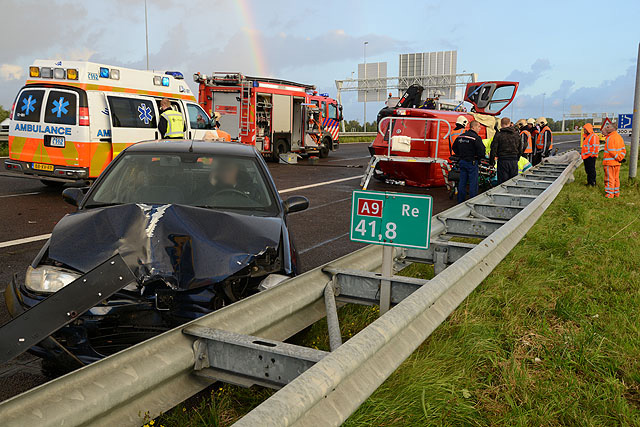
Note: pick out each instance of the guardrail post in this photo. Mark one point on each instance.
(333, 323)
(385, 284)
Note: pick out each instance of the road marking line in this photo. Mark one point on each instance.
(566, 142)
(323, 205)
(25, 240)
(319, 184)
(351, 158)
(21, 194)
(324, 243)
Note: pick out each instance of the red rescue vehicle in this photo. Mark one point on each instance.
(276, 116)
(420, 138)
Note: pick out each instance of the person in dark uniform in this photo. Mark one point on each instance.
(470, 149)
(507, 147)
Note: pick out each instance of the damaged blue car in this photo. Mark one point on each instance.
(200, 224)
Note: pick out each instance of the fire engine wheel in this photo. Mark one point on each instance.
(324, 149)
(281, 147)
(52, 184)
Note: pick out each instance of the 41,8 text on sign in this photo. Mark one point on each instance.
(391, 219)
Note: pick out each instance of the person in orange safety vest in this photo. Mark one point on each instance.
(525, 138)
(544, 141)
(589, 153)
(614, 152)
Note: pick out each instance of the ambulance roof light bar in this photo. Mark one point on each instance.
(176, 74)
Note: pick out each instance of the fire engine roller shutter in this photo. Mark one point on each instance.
(281, 113)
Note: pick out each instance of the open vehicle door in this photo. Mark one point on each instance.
(490, 97)
(133, 119)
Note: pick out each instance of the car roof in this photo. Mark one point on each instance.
(195, 146)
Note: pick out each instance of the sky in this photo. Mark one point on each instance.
(563, 53)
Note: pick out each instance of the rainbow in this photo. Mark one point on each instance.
(246, 15)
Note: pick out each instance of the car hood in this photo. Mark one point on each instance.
(189, 246)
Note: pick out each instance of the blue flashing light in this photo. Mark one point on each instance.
(165, 81)
(104, 72)
(176, 74)
(326, 95)
(256, 83)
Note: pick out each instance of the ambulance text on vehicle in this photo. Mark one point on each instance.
(73, 117)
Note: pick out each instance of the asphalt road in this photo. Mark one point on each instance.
(320, 233)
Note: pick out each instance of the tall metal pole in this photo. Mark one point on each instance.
(635, 131)
(146, 31)
(364, 126)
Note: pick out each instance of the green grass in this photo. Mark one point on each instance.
(4, 149)
(348, 139)
(551, 337)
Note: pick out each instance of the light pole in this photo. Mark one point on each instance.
(146, 31)
(364, 126)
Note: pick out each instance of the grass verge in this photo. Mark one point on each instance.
(4, 149)
(349, 139)
(551, 337)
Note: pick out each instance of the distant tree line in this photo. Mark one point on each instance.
(3, 113)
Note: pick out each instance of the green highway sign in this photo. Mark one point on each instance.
(391, 219)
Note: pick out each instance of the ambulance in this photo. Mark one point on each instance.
(72, 118)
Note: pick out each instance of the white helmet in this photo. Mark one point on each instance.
(531, 121)
(541, 121)
(462, 120)
(521, 123)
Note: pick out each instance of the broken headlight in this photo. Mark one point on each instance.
(49, 279)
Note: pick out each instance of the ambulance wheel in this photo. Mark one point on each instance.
(52, 184)
(279, 148)
(324, 149)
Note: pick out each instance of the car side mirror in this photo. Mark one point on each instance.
(73, 195)
(295, 204)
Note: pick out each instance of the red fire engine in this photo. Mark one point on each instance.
(277, 116)
(413, 143)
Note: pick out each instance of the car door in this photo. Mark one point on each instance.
(198, 121)
(133, 119)
(490, 97)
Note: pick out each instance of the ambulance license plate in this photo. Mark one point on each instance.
(57, 141)
(41, 167)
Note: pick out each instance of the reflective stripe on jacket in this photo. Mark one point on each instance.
(614, 150)
(523, 165)
(175, 124)
(527, 142)
(591, 144)
(543, 143)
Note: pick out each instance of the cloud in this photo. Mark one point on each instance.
(11, 72)
(527, 78)
(32, 29)
(611, 96)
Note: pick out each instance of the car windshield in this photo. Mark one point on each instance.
(209, 181)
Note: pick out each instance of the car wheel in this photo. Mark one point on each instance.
(280, 148)
(52, 184)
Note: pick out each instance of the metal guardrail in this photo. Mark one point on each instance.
(4, 137)
(156, 375)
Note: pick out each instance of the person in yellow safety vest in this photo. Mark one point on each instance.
(461, 125)
(171, 124)
(525, 138)
(614, 153)
(589, 153)
(524, 164)
(544, 141)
